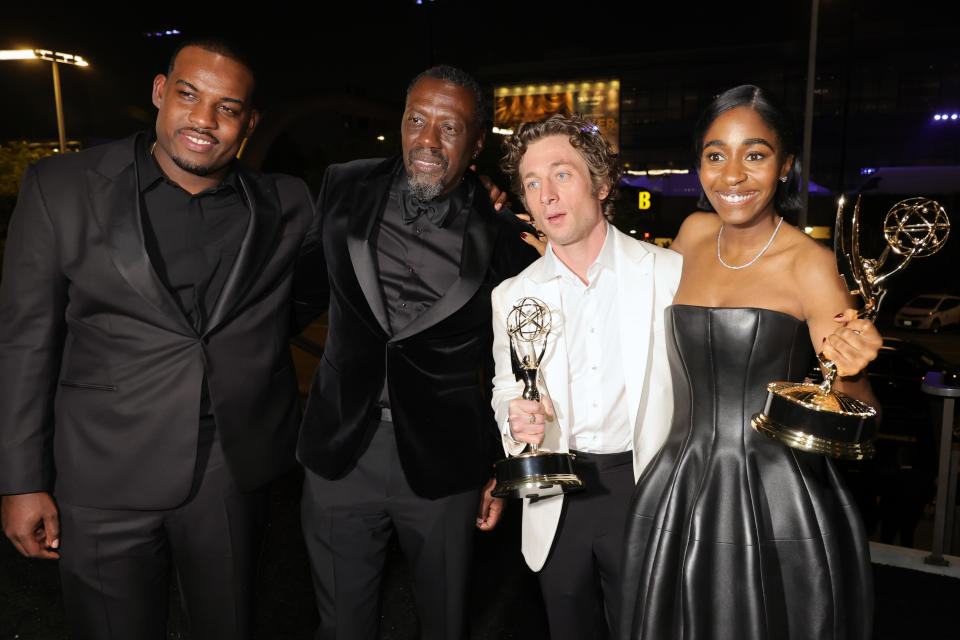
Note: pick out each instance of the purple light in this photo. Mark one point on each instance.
(936, 117)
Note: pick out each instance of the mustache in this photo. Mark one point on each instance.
(202, 132)
(428, 155)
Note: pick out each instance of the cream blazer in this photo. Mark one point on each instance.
(647, 278)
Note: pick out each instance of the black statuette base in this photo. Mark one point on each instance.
(536, 475)
(795, 420)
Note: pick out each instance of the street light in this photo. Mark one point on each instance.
(55, 58)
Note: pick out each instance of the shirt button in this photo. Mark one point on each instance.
(593, 368)
(592, 330)
(419, 230)
(403, 305)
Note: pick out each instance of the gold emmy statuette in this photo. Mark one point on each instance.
(814, 417)
(535, 473)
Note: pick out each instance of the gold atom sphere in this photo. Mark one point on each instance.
(916, 226)
(529, 320)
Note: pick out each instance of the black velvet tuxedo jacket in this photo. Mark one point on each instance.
(100, 371)
(438, 368)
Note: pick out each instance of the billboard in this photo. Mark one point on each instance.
(598, 101)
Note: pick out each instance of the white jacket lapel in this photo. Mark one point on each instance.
(635, 288)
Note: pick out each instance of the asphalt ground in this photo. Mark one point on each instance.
(505, 598)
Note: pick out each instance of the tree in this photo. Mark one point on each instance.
(14, 158)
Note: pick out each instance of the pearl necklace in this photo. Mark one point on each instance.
(757, 257)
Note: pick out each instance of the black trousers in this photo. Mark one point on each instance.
(115, 565)
(580, 581)
(347, 524)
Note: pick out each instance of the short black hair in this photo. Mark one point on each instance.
(787, 198)
(461, 78)
(220, 46)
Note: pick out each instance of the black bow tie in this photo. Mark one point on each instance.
(413, 208)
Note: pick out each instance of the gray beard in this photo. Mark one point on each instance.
(424, 192)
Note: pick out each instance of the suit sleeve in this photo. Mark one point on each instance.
(513, 255)
(33, 298)
(506, 387)
(311, 284)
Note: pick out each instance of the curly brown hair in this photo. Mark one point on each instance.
(584, 136)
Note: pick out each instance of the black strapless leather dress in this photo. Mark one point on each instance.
(731, 534)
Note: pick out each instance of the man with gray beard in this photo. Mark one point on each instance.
(398, 432)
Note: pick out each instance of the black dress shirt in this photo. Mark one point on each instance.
(192, 241)
(418, 261)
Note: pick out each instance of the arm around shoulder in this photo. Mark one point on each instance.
(311, 285)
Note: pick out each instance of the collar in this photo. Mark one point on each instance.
(554, 268)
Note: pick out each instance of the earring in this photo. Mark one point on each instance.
(783, 178)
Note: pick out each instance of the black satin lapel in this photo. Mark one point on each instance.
(255, 249)
(370, 200)
(478, 240)
(115, 202)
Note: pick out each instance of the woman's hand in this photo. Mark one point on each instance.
(538, 241)
(853, 345)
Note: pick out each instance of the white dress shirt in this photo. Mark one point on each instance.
(599, 420)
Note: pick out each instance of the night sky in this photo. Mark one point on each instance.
(371, 49)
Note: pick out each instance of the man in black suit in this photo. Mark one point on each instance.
(398, 432)
(147, 394)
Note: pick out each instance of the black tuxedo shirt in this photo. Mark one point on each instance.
(100, 370)
(437, 368)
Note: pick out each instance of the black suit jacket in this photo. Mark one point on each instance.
(100, 372)
(438, 368)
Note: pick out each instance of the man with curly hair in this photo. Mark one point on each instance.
(604, 379)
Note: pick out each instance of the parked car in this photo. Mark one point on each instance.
(929, 311)
(893, 488)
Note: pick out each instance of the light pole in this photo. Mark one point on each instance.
(55, 58)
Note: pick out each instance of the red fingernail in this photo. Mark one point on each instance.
(523, 235)
(824, 340)
(838, 316)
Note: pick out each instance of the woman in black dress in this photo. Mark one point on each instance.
(732, 534)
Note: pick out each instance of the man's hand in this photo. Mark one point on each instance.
(31, 522)
(490, 508)
(527, 419)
